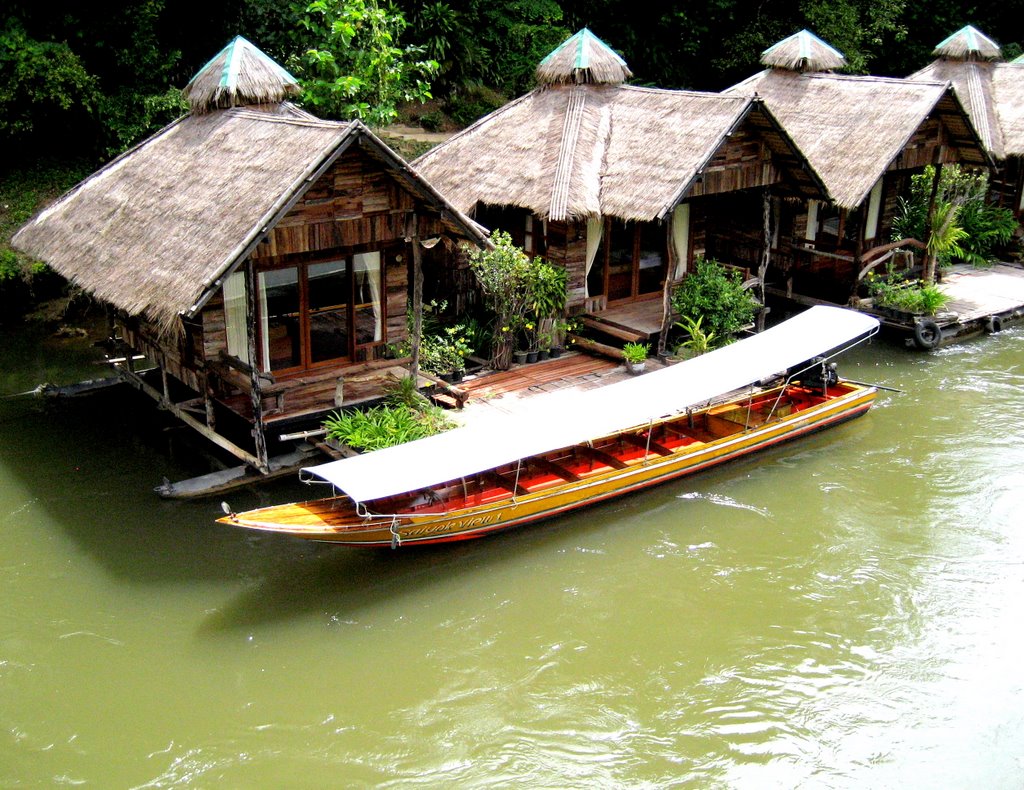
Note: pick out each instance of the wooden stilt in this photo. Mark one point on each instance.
(255, 386)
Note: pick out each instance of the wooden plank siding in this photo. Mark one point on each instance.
(357, 205)
(567, 247)
(744, 161)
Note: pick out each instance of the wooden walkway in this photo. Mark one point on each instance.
(979, 293)
(507, 390)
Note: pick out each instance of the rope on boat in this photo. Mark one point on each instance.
(396, 539)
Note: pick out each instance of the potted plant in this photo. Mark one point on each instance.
(698, 342)
(635, 355)
(444, 354)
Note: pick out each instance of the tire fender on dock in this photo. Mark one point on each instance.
(927, 334)
(993, 324)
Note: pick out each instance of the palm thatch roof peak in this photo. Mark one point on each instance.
(968, 43)
(240, 74)
(583, 58)
(803, 51)
(852, 128)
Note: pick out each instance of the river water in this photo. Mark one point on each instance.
(841, 612)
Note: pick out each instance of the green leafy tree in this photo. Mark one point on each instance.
(355, 67)
(41, 82)
(714, 300)
(964, 225)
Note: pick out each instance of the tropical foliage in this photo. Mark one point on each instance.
(355, 67)
(521, 292)
(896, 292)
(406, 416)
(714, 299)
(964, 225)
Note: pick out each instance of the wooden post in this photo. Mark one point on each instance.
(666, 291)
(762, 269)
(858, 254)
(928, 267)
(255, 386)
(417, 304)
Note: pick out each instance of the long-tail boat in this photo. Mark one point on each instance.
(576, 449)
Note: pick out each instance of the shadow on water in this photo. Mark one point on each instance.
(307, 579)
(345, 581)
(87, 467)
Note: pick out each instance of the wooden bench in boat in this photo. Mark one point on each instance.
(730, 418)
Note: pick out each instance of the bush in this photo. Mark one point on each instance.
(983, 227)
(471, 105)
(910, 296)
(405, 417)
(716, 299)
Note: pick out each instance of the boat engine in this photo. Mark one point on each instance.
(818, 374)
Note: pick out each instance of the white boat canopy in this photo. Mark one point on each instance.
(563, 419)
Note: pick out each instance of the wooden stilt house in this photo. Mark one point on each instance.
(865, 136)
(623, 186)
(992, 92)
(258, 256)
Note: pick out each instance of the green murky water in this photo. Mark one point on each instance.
(842, 612)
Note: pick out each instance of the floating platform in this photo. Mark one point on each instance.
(225, 480)
(981, 301)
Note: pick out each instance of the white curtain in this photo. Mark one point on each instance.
(595, 229)
(367, 264)
(874, 205)
(812, 220)
(234, 316)
(264, 337)
(681, 238)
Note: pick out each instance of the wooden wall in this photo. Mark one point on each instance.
(743, 162)
(567, 247)
(358, 205)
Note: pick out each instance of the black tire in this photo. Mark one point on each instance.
(994, 324)
(927, 334)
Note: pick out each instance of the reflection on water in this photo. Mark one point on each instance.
(840, 612)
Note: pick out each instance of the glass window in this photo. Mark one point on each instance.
(652, 258)
(328, 288)
(281, 318)
(620, 260)
(317, 312)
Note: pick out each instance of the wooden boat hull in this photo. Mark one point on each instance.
(335, 519)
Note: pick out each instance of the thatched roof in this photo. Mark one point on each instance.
(570, 152)
(583, 58)
(803, 51)
(852, 128)
(992, 93)
(968, 43)
(156, 230)
(240, 74)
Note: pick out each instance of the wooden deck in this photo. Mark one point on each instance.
(507, 390)
(637, 321)
(976, 294)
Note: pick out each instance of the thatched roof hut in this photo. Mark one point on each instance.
(852, 128)
(968, 43)
(240, 74)
(583, 59)
(991, 92)
(803, 51)
(158, 229)
(596, 148)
